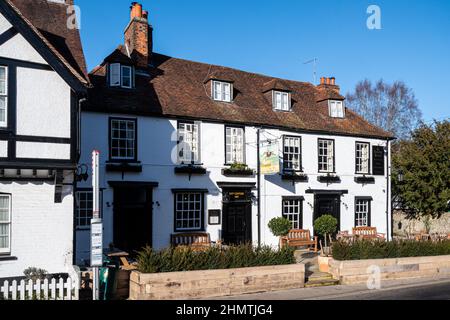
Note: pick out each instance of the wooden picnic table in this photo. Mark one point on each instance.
(123, 258)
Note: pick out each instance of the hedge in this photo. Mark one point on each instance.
(185, 259)
(366, 249)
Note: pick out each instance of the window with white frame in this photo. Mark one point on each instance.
(3, 97)
(362, 213)
(127, 81)
(362, 158)
(281, 101)
(235, 145)
(123, 139)
(293, 211)
(120, 75)
(188, 211)
(326, 156)
(84, 208)
(292, 153)
(5, 223)
(189, 142)
(336, 109)
(222, 91)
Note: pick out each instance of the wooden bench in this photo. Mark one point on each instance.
(197, 241)
(367, 233)
(297, 238)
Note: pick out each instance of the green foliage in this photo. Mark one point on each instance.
(280, 226)
(326, 225)
(185, 259)
(239, 167)
(35, 274)
(424, 164)
(366, 249)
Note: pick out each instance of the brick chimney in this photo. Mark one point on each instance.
(329, 83)
(139, 36)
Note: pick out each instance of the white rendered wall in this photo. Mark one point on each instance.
(3, 149)
(4, 24)
(42, 230)
(39, 150)
(18, 48)
(155, 145)
(43, 104)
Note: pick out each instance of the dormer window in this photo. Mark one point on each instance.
(336, 109)
(281, 101)
(120, 76)
(222, 91)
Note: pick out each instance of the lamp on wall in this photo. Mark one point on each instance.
(82, 173)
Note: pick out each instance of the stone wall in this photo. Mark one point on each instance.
(359, 271)
(215, 283)
(404, 226)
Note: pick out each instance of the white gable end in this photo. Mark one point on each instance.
(4, 24)
(17, 47)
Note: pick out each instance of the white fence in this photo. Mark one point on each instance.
(40, 290)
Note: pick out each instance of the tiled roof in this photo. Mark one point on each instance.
(49, 20)
(179, 88)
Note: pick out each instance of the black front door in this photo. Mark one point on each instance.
(132, 218)
(237, 220)
(328, 205)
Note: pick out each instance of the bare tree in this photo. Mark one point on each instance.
(392, 107)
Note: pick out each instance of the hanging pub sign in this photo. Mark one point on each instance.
(269, 159)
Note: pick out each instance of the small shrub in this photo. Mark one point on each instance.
(280, 226)
(185, 259)
(239, 167)
(35, 274)
(326, 225)
(366, 249)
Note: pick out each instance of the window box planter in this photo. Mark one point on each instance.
(190, 170)
(229, 172)
(328, 179)
(365, 180)
(294, 176)
(124, 167)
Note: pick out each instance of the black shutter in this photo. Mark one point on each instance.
(378, 161)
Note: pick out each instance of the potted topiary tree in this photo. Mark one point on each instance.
(280, 228)
(324, 226)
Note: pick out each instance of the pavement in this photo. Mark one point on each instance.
(407, 289)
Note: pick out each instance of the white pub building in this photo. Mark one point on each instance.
(179, 140)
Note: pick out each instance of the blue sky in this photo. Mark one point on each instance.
(275, 37)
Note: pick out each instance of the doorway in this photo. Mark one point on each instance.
(237, 217)
(328, 204)
(133, 213)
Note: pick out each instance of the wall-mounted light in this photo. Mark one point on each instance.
(309, 203)
(82, 173)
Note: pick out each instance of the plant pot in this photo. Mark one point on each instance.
(324, 264)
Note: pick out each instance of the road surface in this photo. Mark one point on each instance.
(424, 289)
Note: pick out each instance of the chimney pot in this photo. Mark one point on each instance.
(136, 10)
(333, 81)
(145, 14)
(328, 81)
(322, 80)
